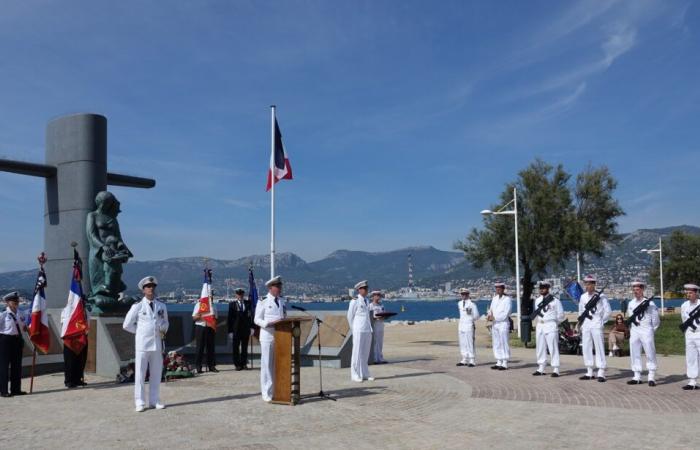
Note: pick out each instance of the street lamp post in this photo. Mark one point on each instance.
(661, 271)
(514, 213)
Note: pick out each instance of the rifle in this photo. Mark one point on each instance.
(638, 312)
(692, 321)
(591, 306)
(543, 304)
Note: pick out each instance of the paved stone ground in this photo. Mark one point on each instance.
(421, 400)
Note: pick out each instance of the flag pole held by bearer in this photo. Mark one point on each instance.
(35, 328)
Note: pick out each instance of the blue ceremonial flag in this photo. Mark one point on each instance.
(575, 290)
(252, 290)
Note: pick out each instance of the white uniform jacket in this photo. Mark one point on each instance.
(149, 325)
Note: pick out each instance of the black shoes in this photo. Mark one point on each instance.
(6, 395)
(471, 365)
(460, 364)
(213, 369)
(652, 383)
(554, 375)
(689, 387)
(601, 380)
(585, 377)
(495, 367)
(538, 374)
(239, 368)
(632, 382)
(502, 368)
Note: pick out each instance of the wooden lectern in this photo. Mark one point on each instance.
(287, 376)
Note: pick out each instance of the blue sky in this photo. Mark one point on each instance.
(402, 119)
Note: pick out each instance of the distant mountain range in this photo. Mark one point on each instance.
(339, 271)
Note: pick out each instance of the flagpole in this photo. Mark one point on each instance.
(272, 192)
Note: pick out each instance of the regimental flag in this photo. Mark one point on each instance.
(280, 169)
(206, 309)
(38, 320)
(574, 290)
(75, 327)
(252, 290)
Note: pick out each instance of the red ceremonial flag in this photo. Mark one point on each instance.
(280, 169)
(39, 321)
(205, 302)
(75, 326)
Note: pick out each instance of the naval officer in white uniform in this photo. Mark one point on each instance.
(692, 337)
(642, 336)
(361, 326)
(468, 315)
(148, 319)
(375, 308)
(592, 331)
(269, 310)
(547, 331)
(499, 313)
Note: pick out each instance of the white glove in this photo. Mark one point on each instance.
(252, 331)
(230, 335)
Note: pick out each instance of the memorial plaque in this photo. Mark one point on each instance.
(306, 327)
(175, 336)
(329, 338)
(123, 341)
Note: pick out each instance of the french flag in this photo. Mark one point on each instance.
(39, 322)
(280, 169)
(205, 306)
(75, 328)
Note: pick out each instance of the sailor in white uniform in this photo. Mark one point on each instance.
(592, 331)
(468, 315)
(692, 337)
(377, 327)
(547, 331)
(268, 311)
(11, 345)
(361, 327)
(148, 319)
(499, 313)
(642, 335)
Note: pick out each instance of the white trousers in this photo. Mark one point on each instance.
(547, 341)
(144, 361)
(361, 343)
(378, 332)
(499, 336)
(642, 339)
(267, 369)
(466, 345)
(692, 354)
(593, 337)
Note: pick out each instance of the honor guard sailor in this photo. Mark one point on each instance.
(692, 336)
(270, 309)
(592, 331)
(240, 327)
(499, 314)
(148, 320)
(468, 315)
(643, 325)
(550, 315)
(205, 338)
(361, 326)
(11, 345)
(377, 327)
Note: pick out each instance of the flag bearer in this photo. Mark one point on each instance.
(642, 335)
(377, 327)
(592, 331)
(468, 315)
(361, 327)
(148, 319)
(270, 309)
(547, 331)
(11, 345)
(499, 314)
(692, 337)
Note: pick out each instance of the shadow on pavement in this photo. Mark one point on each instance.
(213, 400)
(444, 343)
(344, 393)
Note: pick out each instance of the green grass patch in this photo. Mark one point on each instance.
(669, 339)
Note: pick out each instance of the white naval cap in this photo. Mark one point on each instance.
(691, 287)
(544, 283)
(638, 283)
(463, 290)
(379, 293)
(274, 281)
(11, 296)
(499, 284)
(362, 284)
(589, 279)
(147, 280)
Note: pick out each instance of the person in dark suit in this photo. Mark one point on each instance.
(240, 327)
